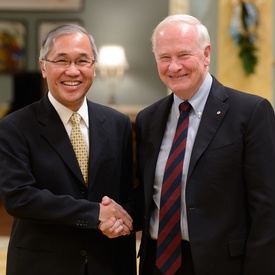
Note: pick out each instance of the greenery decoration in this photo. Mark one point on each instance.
(243, 28)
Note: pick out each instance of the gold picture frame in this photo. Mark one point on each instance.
(41, 5)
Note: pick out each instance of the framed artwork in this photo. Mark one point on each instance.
(13, 48)
(41, 5)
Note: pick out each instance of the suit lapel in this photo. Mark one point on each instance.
(98, 137)
(55, 134)
(213, 114)
(157, 123)
(158, 119)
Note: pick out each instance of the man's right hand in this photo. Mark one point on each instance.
(115, 221)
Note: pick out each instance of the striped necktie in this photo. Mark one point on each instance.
(79, 145)
(168, 258)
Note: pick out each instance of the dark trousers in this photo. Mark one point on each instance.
(150, 267)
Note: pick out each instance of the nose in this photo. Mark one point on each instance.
(72, 69)
(175, 64)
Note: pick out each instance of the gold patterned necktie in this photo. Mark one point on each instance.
(79, 145)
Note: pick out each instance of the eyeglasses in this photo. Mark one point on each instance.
(82, 62)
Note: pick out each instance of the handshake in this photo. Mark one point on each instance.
(114, 219)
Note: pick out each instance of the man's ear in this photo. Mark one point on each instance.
(207, 52)
(42, 67)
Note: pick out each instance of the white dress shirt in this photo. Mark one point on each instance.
(65, 114)
(198, 102)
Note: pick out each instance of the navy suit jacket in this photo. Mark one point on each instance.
(55, 215)
(230, 191)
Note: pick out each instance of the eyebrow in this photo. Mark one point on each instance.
(66, 55)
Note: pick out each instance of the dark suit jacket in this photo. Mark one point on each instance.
(230, 192)
(56, 217)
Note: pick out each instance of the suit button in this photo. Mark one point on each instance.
(81, 223)
(83, 253)
(83, 192)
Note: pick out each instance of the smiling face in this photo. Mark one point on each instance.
(69, 85)
(181, 61)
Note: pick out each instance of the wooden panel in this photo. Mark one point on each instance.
(5, 221)
(230, 69)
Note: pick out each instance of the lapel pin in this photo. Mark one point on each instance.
(219, 112)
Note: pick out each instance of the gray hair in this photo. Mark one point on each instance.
(173, 20)
(61, 30)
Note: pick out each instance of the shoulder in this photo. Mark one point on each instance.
(237, 98)
(244, 100)
(22, 115)
(163, 105)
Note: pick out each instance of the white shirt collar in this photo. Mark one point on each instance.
(65, 113)
(198, 100)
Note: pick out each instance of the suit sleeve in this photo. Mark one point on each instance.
(23, 197)
(259, 176)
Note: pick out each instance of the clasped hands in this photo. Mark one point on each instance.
(114, 219)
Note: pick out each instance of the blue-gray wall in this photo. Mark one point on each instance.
(126, 22)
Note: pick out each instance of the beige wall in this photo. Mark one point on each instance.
(230, 71)
(178, 6)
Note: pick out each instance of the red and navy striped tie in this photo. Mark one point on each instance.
(168, 258)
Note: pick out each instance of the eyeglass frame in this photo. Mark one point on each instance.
(70, 61)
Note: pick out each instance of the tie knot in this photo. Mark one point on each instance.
(75, 118)
(185, 107)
